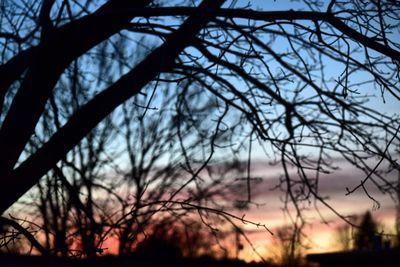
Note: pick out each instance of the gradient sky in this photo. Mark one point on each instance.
(320, 230)
(321, 235)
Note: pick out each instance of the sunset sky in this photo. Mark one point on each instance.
(319, 229)
(321, 226)
(322, 236)
(239, 99)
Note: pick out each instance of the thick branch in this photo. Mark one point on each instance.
(54, 54)
(44, 17)
(279, 15)
(12, 71)
(30, 171)
(364, 40)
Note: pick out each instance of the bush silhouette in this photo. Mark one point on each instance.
(366, 236)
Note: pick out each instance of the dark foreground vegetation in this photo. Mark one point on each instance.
(376, 258)
(12, 260)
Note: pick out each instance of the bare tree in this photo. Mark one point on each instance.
(365, 236)
(297, 81)
(344, 236)
(126, 181)
(289, 246)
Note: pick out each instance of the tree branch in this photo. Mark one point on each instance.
(26, 233)
(53, 55)
(80, 124)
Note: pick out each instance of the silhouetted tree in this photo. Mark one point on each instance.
(289, 246)
(94, 195)
(344, 236)
(292, 80)
(80, 203)
(366, 235)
